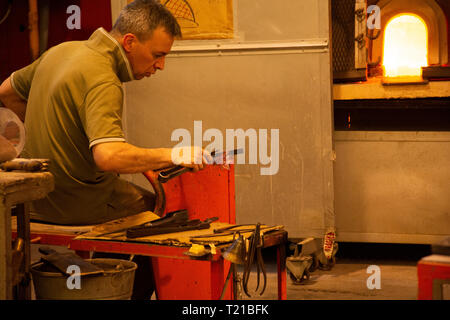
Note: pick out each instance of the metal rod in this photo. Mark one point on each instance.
(301, 44)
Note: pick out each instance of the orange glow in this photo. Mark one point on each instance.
(405, 46)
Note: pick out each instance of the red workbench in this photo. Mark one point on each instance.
(207, 193)
(178, 276)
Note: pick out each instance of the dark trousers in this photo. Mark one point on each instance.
(131, 199)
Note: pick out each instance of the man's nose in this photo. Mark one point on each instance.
(160, 63)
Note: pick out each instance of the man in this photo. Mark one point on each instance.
(71, 101)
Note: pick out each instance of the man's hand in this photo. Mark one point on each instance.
(11, 100)
(191, 157)
(7, 150)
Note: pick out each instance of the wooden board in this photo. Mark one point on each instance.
(19, 187)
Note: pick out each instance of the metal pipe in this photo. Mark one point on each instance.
(33, 26)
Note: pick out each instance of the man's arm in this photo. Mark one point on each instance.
(122, 157)
(11, 100)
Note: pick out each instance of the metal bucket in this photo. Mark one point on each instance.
(116, 283)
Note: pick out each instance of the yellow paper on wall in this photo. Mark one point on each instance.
(203, 19)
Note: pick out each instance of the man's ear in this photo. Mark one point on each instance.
(128, 42)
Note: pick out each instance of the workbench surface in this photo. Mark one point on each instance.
(17, 187)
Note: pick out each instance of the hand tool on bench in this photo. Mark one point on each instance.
(254, 250)
(29, 165)
(137, 232)
(253, 253)
(236, 255)
(61, 261)
(233, 229)
(171, 217)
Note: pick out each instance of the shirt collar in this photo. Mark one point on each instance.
(102, 42)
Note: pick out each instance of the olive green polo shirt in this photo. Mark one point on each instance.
(74, 101)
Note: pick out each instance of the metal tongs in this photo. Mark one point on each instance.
(167, 174)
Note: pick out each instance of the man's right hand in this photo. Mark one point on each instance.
(191, 157)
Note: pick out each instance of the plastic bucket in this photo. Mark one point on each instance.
(116, 283)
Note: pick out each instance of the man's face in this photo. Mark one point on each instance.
(147, 56)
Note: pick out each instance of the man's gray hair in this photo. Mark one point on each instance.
(142, 17)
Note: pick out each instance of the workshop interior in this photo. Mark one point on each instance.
(329, 125)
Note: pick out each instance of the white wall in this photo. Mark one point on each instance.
(287, 88)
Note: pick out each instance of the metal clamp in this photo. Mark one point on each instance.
(360, 14)
(361, 41)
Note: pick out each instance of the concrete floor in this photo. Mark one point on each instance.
(347, 280)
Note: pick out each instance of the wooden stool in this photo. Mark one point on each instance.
(18, 188)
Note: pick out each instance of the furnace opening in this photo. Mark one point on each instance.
(405, 49)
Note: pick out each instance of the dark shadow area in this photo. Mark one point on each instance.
(382, 251)
(424, 114)
(357, 251)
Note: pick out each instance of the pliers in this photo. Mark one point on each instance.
(167, 174)
(255, 248)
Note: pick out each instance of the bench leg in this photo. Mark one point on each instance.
(281, 270)
(23, 289)
(217, 279)
(83, 254)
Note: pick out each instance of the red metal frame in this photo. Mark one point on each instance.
(193, 279)
(206, 277)
(145, 249)
(55, 239)
(427, 273)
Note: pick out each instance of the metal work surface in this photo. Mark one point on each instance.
(392, 186)
(16, 187)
